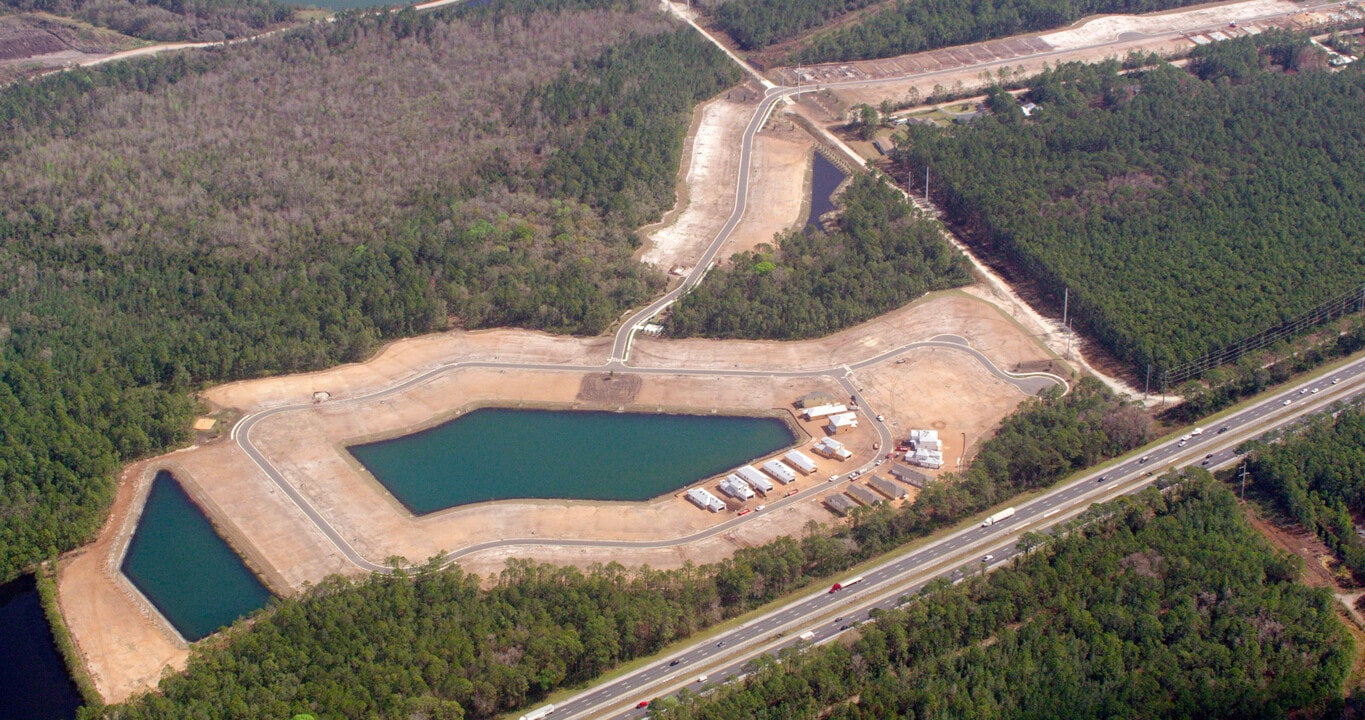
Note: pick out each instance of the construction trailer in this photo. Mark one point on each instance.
(756, 479)
(863, 495)
(736, 488)
(705, 500)
(820, 411)
(780, 472)
(801, 462)
(887, 488)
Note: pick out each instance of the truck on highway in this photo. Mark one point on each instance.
(1002, 515)
(539, 714)
(841, 585)
(808, 636)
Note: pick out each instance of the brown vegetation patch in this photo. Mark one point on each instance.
(1146, 564)
(609, 388)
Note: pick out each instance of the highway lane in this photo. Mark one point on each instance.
(728, 654)
(241, 433)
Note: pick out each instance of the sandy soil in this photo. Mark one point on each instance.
(955, 312)
(123, 640)
(779, 189)
(711, 176)
(934, 389)
(1113, 28)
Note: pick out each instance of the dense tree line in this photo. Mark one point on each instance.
(290, 203)
(755, 24)
(1316, 476)
(882, 256)
(907, 26)
(1183, 211)
(1173, 607)
(1253, 374)
(170, 20)
(398, 647)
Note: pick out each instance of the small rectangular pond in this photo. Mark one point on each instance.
(503, 454)
(825, 179)
(34, 684)
(189, 573)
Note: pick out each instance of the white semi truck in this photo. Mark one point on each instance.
(1002, 515)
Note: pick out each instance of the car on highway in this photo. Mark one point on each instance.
(1314, 391)
(988, 558)
(701, 679)
(1143, 459)
(1303, 391)
(642, 704)
(880, 461)
(1185, 437)
(720, 644)
(1180, 444)
(1222, 430)
(1209, 456)
(675, 662)
(1287, 401)
(1102, 478)
(1336, 380)
(839, 619)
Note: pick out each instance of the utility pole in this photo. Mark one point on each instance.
(1244, 481)
(926, 183)
(798, 78)
(1066, 324)
(1148, 386)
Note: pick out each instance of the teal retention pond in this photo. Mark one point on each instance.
(502, 454)
(189, 573)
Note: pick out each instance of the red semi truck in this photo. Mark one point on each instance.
(841, 585)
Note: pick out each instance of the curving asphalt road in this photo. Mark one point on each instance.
(1028, 383)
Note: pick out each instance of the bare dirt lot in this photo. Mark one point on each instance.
(779, 187)
(960, 69)
(707, 192)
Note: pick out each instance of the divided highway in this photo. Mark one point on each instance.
(725, 656)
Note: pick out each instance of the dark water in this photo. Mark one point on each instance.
(499, 453)
(34, 684)
(189, 573)
(826, 178)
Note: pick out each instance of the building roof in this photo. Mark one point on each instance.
(863, 495)
(887, 488)
(816, 399)
(907, 474)
(840, 504)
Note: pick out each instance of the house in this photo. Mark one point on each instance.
(839, 504)
(831, 448)
(816, 399)
(1028, 108)
(887, 488)
(842, 423)
(884, 145)
(864, 496)
(910, 476)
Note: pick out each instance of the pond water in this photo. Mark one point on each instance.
(34, 684)
(189, 573)
(501, 453)
(824, 181)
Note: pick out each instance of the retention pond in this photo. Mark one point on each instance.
(825, 180)
(181, 565)
(34, 684)
(502, 454)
